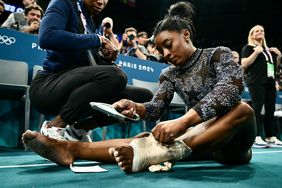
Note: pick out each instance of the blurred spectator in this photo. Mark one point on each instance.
(25, 21)
(128, 45)
(16, 19)
(142, 39)
(29, 2)
(106, 29)
(236, 57)
(154, 54)
(2, 7)
(33, 15)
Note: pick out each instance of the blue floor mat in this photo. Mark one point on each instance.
(26, 169)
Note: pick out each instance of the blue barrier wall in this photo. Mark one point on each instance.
(140, 69)
(15, 45)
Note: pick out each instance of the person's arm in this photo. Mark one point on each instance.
(32, 28)
(190, 118)
(121, 44)
(139, 54)
(9, 21)
(228, 88)
(248, 61)
(278, 55)
(168, 131)
(53, 34)
(109, 34)
(278, 59)
(112, 37)
(137, 51)
(275, 50)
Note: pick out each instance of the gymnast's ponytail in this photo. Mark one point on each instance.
(179, 17)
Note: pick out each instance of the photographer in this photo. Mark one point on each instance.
(106, 30)
(129, 44)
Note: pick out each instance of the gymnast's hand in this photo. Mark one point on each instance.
(109, 50)
(167, 131)
(125, 107)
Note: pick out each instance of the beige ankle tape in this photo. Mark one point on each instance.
(148, 151)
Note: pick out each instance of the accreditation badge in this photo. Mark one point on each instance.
(270, 70)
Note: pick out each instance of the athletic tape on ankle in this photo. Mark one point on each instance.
(148, 151)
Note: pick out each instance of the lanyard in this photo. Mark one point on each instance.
(268, 56)
(270, 65)
(87, 30)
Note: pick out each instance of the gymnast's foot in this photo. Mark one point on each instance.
(141, 153)
(54, 150)
(124, 157)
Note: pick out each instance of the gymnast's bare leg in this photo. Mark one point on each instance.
(65, 153)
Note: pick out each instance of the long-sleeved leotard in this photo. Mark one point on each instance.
(210, 83)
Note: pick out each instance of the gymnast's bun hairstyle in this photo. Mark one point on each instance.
(179, 17)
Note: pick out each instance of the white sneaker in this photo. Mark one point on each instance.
(74, 134)
(274, 141)
(260, 143)
(53, 132)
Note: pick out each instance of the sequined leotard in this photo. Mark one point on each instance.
(210, 83)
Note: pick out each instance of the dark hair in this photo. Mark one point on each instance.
(179, 17)
(33, 7)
